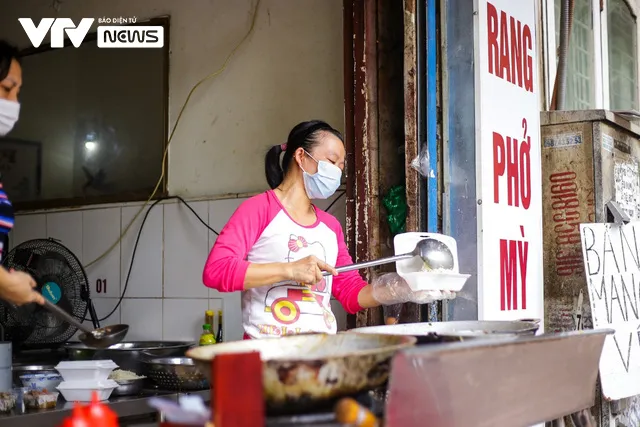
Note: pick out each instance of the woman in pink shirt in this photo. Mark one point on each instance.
(277, 244)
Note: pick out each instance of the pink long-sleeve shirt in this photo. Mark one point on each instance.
(261, 231)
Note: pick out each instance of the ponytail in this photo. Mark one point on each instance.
(272, 168)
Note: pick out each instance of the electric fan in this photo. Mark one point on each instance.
(61, 279)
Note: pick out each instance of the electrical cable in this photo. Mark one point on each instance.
(163, 172)
(175, 126)
(144, 220)
(135, 246)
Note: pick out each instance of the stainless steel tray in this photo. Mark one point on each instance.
(514, 383)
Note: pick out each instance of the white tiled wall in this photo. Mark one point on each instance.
(165, 297)
(186, 245)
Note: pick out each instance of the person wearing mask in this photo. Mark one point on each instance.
(16, 287)
(277, 245)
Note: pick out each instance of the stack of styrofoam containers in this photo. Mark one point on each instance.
(82, 377)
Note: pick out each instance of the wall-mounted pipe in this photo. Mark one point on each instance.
(560, 92)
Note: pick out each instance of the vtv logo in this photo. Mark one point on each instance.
(58, 26)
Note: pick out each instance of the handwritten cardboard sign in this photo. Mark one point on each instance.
(612, 266)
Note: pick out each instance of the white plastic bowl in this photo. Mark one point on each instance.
(41, 381)
(86, 370)
(409, 269)
(435, 281)
(82, 391)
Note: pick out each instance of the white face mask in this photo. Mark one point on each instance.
(324, 183)
(9, 113)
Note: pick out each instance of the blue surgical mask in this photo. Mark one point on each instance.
(9, 113)
(324, 183)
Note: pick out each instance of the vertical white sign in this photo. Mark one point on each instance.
(508, 162)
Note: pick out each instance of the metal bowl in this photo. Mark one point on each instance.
(129, 355)
(175, 373)
(129, 387)
(440, 332)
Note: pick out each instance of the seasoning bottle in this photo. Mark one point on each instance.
(207, 335)
(208, 317)
(220, 335)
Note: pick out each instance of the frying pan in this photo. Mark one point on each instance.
(304, 371)
(98, 338)
(436, 332)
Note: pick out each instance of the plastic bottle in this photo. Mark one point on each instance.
(207, 337)
(99, 414)
(78, 418)
(208, 317)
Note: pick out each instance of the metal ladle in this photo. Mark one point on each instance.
(434, 253)
(98, 338)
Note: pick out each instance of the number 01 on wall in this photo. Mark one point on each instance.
(101, 286)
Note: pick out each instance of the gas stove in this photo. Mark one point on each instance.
(322, 416)
(325, 416)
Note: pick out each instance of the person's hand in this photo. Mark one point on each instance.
(308, 271)
(390, 288)
(18, 288)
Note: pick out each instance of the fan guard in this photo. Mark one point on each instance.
(61, 279)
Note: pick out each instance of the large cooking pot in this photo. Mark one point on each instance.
(129, 355)
(304, 371)
(436, 332)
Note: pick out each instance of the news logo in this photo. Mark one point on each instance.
(132, 36)
(56, 27)
(108, 36)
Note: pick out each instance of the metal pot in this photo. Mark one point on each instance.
(436, 332)
(129, 387)
(304, 371)
(129, 355)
